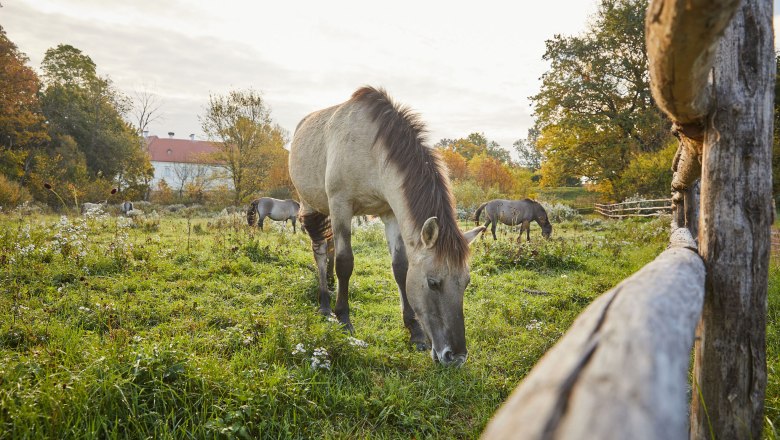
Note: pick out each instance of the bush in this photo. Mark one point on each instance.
(503, 255)
(12, 194)
(469, 196)
(559, 212)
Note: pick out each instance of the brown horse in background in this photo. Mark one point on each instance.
(515, 212)
(368, 156)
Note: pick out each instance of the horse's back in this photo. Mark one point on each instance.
(331, 155)
(308, 156)
(277, 209)
(512, 212)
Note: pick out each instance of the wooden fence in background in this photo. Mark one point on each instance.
(641, 208)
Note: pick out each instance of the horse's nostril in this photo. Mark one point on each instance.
(447, 356)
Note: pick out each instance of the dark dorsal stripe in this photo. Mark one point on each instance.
(426, 186)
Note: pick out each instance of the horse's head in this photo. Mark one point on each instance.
(251, 215)
(434, 288)
(546, 228)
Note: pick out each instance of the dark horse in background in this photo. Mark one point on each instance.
(279, 210)
(515, 212)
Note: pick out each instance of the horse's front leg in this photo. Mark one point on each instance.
(397, 249)
(527, 227)
(341, 220)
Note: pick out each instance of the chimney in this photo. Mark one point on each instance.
(146, 134)
(170, 134)
(192, 136)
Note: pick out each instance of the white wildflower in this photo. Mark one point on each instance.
(533, 325)
(319, 359)
(299, 349)
(355, 342)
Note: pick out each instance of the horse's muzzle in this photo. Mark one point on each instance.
(448, 358)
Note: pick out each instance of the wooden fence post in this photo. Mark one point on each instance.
(736, 188)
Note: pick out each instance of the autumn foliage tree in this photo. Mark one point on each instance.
(22, 127)
(482, 170)
(594, 111)
(250, 144)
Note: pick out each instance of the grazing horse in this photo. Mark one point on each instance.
(279, 210)
(368, 156)
(514, 212)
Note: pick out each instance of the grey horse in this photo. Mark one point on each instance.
(515, 212)
(279, 210)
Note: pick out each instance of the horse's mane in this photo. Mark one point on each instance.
(426, 186)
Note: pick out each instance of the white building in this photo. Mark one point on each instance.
(181, 161)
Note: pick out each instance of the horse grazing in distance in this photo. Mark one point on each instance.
(368, 155)
(279, 210)
(514, 212)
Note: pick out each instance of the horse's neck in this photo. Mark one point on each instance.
(394, 195)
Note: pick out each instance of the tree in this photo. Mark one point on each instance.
(250, 144)
(594, 111)
(82, 106)
(192, 176)
(489, 172)
(456, 164)
(22, 126)
(473, 145)
(146, 109)
(528, 152)
(649, 174)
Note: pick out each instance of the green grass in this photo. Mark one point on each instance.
(113, 330)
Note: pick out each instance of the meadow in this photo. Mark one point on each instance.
(201, 327)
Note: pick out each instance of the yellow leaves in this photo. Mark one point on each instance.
(488, 171)
(456, 164)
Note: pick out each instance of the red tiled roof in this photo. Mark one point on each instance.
(178, 150)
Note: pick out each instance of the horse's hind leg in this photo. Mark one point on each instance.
(341, 218)
(484, 231)
(493, 228)
(318, 228)
(400, 268)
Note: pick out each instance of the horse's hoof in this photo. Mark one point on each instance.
(325, 312)
(347, 328)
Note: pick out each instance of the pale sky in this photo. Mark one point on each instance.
(464, 66)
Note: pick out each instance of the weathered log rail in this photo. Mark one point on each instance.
(621, 370)
(639, 208)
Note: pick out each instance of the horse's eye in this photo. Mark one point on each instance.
(433, 283)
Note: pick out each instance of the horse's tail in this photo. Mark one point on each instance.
(251, 213)
(479, 212)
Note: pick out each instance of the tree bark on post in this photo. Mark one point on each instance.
(736, 216)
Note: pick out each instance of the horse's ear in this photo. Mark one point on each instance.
(430, 232)
(472, 234)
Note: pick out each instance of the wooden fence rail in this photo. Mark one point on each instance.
(640, 208)
(621, 371)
